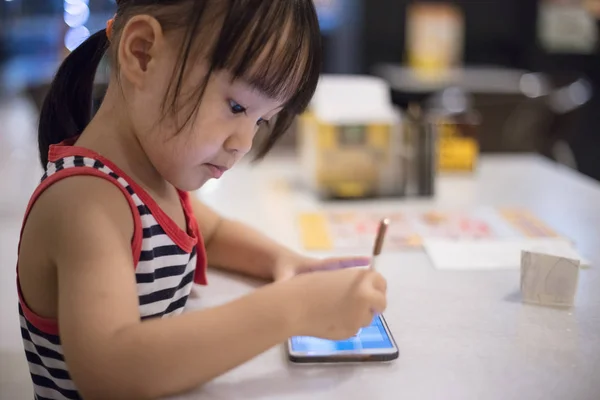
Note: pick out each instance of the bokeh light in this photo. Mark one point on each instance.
(76, 15)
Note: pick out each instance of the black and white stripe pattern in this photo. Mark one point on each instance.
(47, 366)
(164, 276)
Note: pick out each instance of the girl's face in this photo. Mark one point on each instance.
(220, 133)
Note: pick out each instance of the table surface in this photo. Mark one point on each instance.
(461, 335)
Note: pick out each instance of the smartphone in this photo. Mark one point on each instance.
(372, 343)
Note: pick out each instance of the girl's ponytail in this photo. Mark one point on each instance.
(67, 109)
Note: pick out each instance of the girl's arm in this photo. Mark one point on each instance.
(110, 353)
(255, 254)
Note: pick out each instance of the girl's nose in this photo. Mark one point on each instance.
(240, 142)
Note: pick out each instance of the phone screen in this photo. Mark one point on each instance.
(373, 337)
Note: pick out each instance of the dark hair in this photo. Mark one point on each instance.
(274, 45)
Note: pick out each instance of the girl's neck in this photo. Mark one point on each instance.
(110, 134)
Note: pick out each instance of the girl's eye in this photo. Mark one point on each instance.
(262, 121)
(236, 108)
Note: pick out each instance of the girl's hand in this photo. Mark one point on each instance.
(289, 268)
(336, 304)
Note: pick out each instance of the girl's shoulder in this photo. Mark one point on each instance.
(74, 223)
(78, 192)
(79, 198)
(79, 202)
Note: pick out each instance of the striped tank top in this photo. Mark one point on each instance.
(167, 260)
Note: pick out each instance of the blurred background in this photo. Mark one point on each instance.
(528, 69)
(531, 67)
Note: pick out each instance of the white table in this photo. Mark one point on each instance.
(462, 335)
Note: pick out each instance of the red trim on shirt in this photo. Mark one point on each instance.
(202, 259)
(47, 325)
(181, 238)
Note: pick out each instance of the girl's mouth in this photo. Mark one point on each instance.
(216, 171)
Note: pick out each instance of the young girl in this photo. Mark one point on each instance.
(112, 242)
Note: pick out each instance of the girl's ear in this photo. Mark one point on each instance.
(141, 41)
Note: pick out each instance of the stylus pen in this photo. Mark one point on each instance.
(379, 239)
